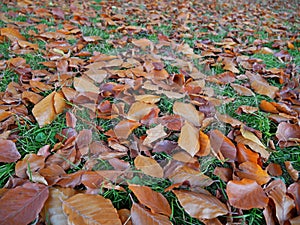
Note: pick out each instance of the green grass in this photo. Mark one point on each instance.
(6, 77)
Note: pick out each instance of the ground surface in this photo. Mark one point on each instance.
(149, 112)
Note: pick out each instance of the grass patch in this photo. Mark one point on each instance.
(6, 77)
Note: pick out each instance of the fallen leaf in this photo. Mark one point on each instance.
(246, 155)
(242, 90)
(154, 134)
(200, 206)
(288, 134)
(78, 213)
(220, 143)
(124, 128)
(204, 144)
(152, 199)
(264, 88)
(30, 163)
(292, 172)
(246, 194)
(188, 112)
(189, 139)
(224, 173)
(253, 171)
(12, 34)
(53, 210)
(125, 217)
(268, 107)
(139, 109)
(148, 166)
(274, 169)
(151, 99)
(82, 84)
(21, 205)
(141, 216)
(8, 151)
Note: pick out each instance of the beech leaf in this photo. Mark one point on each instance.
(149, 166)
(22, 204)
(188, 112)
(152, 199)
(8, 151)
(246, 194)
(189, 139)
(85, 209)
(201, 206)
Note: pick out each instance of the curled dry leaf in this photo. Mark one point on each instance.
(253, 171)
(141, 216)
(79, 214)
(124, 128)
(53, 210)
(292, 172)
(274, 169)
(139, 109)
(288, 134)
(149, 166)
(188, 112)
(22, 204)
(284, 204)
(201, 206)
(31, 162)
(54, 103)
(125, 217)
(220, 143)
(204, 144)
(244, 154)
(189, 138)
(154, 134)
(246, 194)
(8, 151)
(152, 199)
(242, 90)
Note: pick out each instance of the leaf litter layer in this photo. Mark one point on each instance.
(170, 112)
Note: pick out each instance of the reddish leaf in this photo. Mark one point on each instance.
(246, 155)
(139, 109)
(124, 128)
(288, 134)
(152, 199)
(78, 214)
(30, 163)
(140, 215)
(22, 204)
(246, 194)
(274, 169)
(8, 151)
(224, 173)
(201, 206)
(292, 172)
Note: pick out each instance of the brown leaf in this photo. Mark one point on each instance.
(284, 204)
(83, 140)
(204, 144)
(143, 43)
(70, 120)
(294, 190)
(246, 109)
(224, 173)
(220, 143)
(246, 155)
(292, 172)
(149, 166)
(152, 199)
(274, 169)
(53, 210)
(189, 139)
(125, 217)
(267, 107)
(151, 99)
(21, 205)
(154, 134)
(201, 206)
(288, 134)
(141, 216)
(242, 90)
(188, 112)
(246, 194)
(8, 151)
(31, 162)
(12, 34)
(139, 109)
(31, 97)
(264, 88)
(82, 84)
(124, 128)
(253, 171)
(78, 214)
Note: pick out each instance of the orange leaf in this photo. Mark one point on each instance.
(246, 194)
(244, 154)
(140, 215)
(253, 171)
(267, 107)
(21, 205)
(274, 169)
(188, 112)
(201, 206)
(124, 128)
(189, 139)
(12, 34)
(204, 144)
(8, 151)
(152, 199)
(78, 214)
(149, 166)
(139, 109)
